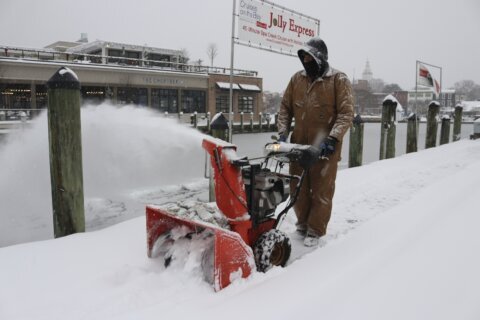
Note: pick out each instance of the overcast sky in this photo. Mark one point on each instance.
(392, 35)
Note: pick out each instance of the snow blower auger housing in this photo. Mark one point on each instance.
(247, 193)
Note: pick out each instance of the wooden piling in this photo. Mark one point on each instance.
(388, 130)
(260, 120)
(457, 123)
(412, 133)
(251, 121)
(65, 146)
(241, 122)
(208, 121)
(219, 128)
(432, 125)
(356, 143)
(195, 119)
(445, 131)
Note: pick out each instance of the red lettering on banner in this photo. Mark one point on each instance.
(261, 25)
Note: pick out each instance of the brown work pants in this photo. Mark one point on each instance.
(314, 204)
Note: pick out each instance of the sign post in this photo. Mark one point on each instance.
(264, 25)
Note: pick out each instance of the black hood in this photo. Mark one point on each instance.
(317, 49)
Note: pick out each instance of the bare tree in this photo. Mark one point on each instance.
(391, 88)
(467, 89)
(212, 52)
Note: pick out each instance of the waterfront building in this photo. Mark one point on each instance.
(122, 73)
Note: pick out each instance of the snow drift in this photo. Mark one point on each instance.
(403, 244)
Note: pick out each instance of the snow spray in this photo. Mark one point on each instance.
(124, 149)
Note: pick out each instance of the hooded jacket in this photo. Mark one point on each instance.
(320, 108)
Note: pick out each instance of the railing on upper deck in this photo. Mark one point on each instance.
(114, 61)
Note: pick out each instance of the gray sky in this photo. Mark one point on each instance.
(391, 34)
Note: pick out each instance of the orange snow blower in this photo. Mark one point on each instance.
(247, 194)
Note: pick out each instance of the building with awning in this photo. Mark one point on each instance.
(122, 74)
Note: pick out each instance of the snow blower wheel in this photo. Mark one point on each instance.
(272, 249)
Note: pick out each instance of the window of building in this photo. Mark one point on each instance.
(137, 96)
(133, 58)
(245, 104)
(15, 96)
(93, 95)
(222, 103)
(41, 96)
(124, 57)
(114, 53)
(165, 100)
(159, 60)
(96, 59)
(193, 100)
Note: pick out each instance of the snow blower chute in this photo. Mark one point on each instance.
(247, 193)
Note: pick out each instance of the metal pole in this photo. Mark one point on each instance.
(440, 84)
(230, 107)
(416, 108)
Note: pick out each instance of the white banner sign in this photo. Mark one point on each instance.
(267, 26)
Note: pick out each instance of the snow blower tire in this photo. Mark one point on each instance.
(272, 248)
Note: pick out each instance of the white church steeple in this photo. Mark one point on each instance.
(367, 73)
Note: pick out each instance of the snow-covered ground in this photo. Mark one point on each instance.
(403, 243)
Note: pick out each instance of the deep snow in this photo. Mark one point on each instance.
(403, 244)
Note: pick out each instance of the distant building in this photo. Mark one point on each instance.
(365, 101)
(367, 73)
(124, 73)
(419, 100)
(402, 98)
(447, 98)
(422, 98)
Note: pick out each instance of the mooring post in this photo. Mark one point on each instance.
(356, 143)
(260, 120)
(251, 121)
(195, 119)
(388, 129)
(445, 130)
(412, 133)
(208, 121)
(457, 123)
(432, 125)
(65, 144)
(241, 122)
(219, 128)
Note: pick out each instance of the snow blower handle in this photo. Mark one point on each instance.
(293, 152)
(305, 155)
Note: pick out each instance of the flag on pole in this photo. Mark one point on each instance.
(424, 78)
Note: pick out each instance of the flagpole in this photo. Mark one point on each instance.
(416, 86)
(230, 106)
(440, 91)
(416, 108)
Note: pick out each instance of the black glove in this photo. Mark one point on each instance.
(309, 157)
(327, 147)
(282, 138)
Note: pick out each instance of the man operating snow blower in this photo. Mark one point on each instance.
(320, 99)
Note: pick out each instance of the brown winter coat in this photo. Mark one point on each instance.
(321, 109)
